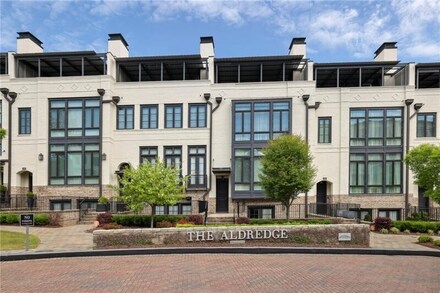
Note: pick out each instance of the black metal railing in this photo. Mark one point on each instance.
(423, 213)
(197, 182)
(344, 210)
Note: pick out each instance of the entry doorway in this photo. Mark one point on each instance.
(321, 198)
(423, 201)
(222, 195)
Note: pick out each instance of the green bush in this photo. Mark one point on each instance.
(41, 219)
(3, 218)
(384, 231)
(406, 231)
(424, 239)
(144, 220)
(437, 242)
(12, 219)
(394, 230)
(291, 222)
(417, 226)
(430, 232)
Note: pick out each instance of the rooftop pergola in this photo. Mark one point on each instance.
(428, 75)
(3, 63)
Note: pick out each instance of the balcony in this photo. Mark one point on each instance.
(197, 182)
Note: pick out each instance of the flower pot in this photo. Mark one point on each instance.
(30, 202)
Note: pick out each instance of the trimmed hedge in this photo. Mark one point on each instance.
(40, 219)
(383, 223)
(145, 220)
(417, 226)
(290, 222)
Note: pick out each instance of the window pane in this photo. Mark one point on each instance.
(74, 118)
(74, 164)
(375, 173)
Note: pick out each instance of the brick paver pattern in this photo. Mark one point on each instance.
(224, 273)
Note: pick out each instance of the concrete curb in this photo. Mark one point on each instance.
(217, 250)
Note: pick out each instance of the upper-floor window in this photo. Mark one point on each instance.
(148, 154)
(260, 121)
(173, 156)
(173, 116)
(324, 130)
(74, 117)
(125, 117)
(197, 166)
(426, 125)
(376, 127)
(197, 115)
(149, 116)
(24, 120)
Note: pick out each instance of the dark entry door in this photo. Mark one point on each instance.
(222, 186)
(423, 201)
(321, 198)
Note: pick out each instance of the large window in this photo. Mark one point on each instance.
(324, 130)
(74, 118)
(148, 154)
(426, 125)
(173, 156)
(173, 116)
(125, 117)
(242, 169)
(178, 209)
(197, 115)
(261, 212)
(149, 116)
(197, 166)
(260, 121)
(24, 115)
(74, 164)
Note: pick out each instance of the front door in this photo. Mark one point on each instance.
(222, 195)
(321, 198)
(423, 201)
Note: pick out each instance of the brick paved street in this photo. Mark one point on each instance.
(224, 273)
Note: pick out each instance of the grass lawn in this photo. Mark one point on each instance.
(16, 241)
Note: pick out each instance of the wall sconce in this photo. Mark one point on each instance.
(40, 157)
(104, 156)
(207, 96)
(116, 99)
(218, 100)
(101, 92)
(417, 106)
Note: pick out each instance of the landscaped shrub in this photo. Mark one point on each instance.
(42, 219)
(437, 242)
(382, 223)
(384, 231)
(417, 226)
(368, 218)
(394, 230)
(144, 220)
(406, 231)
(430, 232)
(3, 218)
(109, 226)
(104, 218)
(196, 219)
(165, 224)
(424, 239)
(12, 219)
(183, 222)
(422, 216)
(242, 220)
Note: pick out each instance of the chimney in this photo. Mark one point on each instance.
(28, 43)
(206, 47)
(117, 45)
(298, 47)
(386, 52)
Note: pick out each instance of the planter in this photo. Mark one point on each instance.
(102, 207)
(30, 202)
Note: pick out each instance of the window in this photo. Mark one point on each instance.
(376, 173)
(196, 166)
(74, 118)
(149, 116)
(242, 172)
(376, 127)
(24, 121)
(74, 164)
(148, 154)
(261, 212)
(392, 214)
(173, 116)
(260, 121)
(178, 209)
(256, 169)
(125, 117)
(197, 115)
(173, 156)
(324, 130)
(60, 205)
(426, 125)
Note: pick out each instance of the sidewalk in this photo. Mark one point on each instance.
(76, 238)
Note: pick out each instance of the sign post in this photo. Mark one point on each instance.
(27, 220)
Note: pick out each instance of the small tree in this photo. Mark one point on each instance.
(2, 133)
(151, 184)
(424, 162)
(286, 169)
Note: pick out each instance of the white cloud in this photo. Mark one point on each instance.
(423, 50)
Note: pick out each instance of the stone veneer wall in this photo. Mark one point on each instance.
(294, 236)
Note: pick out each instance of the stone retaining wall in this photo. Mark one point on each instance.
(324, 235)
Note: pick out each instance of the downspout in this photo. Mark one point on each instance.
(101, 93)
(306, 201)
(408, 103)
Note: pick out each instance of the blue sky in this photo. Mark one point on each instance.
(335, 30)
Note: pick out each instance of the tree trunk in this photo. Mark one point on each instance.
(152, 221)
(287, 211)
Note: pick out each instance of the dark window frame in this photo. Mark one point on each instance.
(326, 136)
(27, 127)
(173, 157)
(173, 121)
(147, 124)
(125, 108)
(200, 179)
(179, 208)
(259, 211)
(59, 201)
(434, 128)
(197, 105)
(148, 157)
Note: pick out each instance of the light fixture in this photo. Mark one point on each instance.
(116, 99)
(104, 156)
(417, 106)
(317, 105)
(4, 90)
(409, 101)
(218, 99)
(40, 157)
(101, 92)
(207, 96)
(305, 98)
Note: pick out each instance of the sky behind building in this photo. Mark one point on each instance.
(335, 30)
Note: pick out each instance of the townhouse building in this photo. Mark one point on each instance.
(76, 120)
